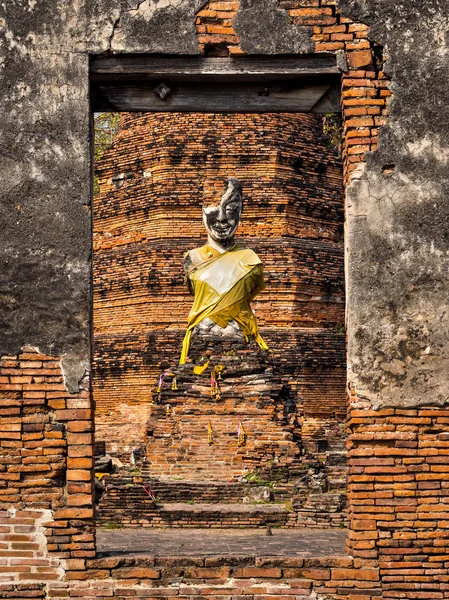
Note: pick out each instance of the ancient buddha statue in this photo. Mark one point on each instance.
(223, 276)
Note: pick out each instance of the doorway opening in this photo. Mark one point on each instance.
(160, 169)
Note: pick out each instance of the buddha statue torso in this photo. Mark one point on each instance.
(223, 276)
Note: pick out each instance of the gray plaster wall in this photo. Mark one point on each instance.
(264, 28)
(397, 226)
(45, 177)
(398, 216)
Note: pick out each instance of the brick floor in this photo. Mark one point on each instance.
(201, 542)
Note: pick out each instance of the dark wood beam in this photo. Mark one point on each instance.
(198, 68)
(195, 83)
(191, 97)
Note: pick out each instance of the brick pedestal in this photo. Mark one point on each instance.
(194, 434)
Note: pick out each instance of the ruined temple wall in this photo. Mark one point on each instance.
(152, 183)
(397, 202)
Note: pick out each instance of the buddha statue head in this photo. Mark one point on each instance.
(222, 220)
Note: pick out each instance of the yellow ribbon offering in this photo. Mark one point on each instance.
(210, 433)
(199, 369)
(224, 285)
(241, 435)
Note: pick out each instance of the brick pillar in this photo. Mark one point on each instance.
(46, 437)
(398, 496)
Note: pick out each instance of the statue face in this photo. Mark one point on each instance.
(222, 221)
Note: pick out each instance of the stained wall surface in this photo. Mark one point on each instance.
(152, 185)
(396, 253)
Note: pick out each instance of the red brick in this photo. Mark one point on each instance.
(137, 573)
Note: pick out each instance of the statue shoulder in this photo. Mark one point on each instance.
(194, 257)
(248, 255)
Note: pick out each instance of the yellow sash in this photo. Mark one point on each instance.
(223, 286)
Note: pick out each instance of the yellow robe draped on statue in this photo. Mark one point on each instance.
(223, 286)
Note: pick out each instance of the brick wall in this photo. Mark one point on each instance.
(239, 578)
(216, 34)
(399, 497)
(292, 217)
(24, 547)
(46, 437)
(153, 182)
(398, 494)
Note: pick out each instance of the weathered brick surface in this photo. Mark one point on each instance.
(216, 33)
(37, 472)
(251, 393)
(245, 577)
(399, 497)
(24, 549)
(141, 233)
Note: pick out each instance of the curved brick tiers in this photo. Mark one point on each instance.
(153, 182)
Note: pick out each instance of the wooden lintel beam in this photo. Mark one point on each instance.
(198, 68)
(215, 97)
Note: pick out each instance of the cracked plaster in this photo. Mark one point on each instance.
(168, 26)
(264, 28)
(397, 217)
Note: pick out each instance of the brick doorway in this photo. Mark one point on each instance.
(152, 182)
